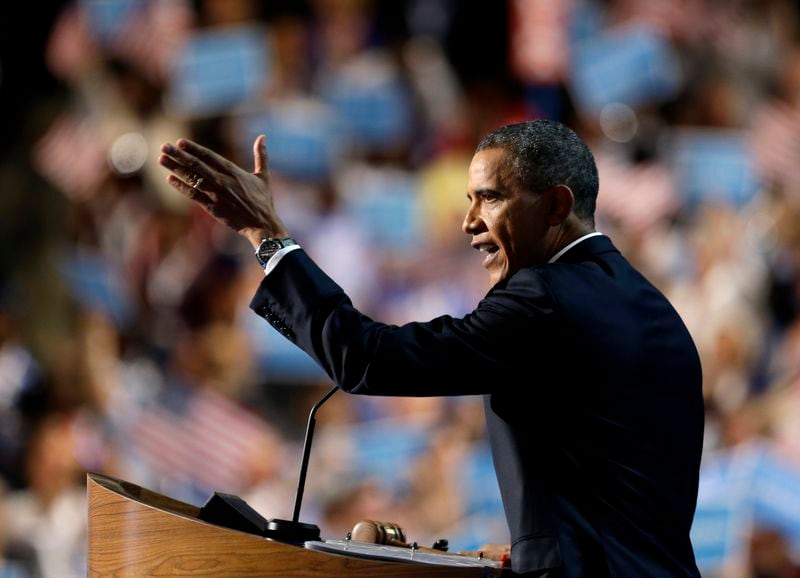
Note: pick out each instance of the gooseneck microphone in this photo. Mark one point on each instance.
(301, 482)
(293, 530)
(232, 512)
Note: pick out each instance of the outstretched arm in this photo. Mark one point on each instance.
(489, 350)
(239, 199)
(474, 355)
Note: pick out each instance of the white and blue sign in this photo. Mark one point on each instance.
(713, 165)
(219, 69)
(302, 138)
(632, 65)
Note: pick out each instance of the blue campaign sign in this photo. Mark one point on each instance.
(713, 165)
(97, 284)
(386, 205)
(481, 490)
(633, 65)
(776, 496)
(391, 457)
(741, 489)
(108, 18)
(724, 504)
(219, 69)
(588, 21)
(303, 138)
(716, 535)
(372, 103)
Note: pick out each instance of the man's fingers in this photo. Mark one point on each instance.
(187, 162)
(184, 174)
(190, 191)
(208, 156)
(260, 155)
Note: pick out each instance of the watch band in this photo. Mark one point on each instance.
(268, 247)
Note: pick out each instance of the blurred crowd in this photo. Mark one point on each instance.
(126, 343)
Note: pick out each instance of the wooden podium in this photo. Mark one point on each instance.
(137, 532)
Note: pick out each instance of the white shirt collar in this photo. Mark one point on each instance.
(558, 255)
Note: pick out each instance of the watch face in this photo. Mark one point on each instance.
(269, 246)
(267, 249)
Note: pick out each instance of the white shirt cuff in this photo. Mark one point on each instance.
(275, 259)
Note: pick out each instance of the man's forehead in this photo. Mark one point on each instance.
(491, 165)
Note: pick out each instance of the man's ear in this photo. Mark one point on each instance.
(562, 201)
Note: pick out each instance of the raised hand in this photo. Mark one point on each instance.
(239, 199)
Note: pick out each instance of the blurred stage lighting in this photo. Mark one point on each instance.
(128, 153)
(618, 122)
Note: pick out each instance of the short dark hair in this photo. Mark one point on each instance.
(545, 153)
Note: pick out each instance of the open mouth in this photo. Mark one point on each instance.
(491, 251)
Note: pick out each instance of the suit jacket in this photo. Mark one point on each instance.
(592, 389)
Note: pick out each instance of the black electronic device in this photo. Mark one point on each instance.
(232, 512)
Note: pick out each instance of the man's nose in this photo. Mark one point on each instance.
(472, 222)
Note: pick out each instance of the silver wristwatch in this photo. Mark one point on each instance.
(268, 247)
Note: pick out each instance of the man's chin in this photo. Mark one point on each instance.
(495, 267)
(497, 274)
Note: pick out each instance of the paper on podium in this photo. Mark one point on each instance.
(395, 553)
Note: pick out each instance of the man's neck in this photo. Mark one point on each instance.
(570, 230)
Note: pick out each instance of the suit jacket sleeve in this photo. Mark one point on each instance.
(477, 354)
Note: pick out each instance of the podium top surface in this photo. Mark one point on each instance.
(144, 496)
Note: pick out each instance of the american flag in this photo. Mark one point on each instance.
(774, 140)
(72, 156)
(153, 36)
(146, 34)
(540, 39)
(71, 50)
(211, 442)
(635, 196)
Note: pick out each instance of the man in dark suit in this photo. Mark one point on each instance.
(592, 383)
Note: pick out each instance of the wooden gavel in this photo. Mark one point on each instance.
(390, 534)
